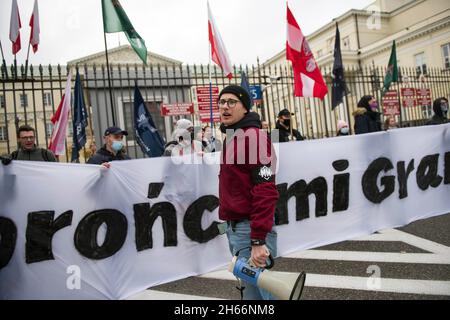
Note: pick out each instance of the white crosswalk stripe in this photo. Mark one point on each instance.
(437, 255)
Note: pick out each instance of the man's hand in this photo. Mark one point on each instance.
(106, 165)
(259, 256)
(6, 160)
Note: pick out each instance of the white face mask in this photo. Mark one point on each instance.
(344, 130)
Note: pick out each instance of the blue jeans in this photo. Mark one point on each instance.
(238, 239)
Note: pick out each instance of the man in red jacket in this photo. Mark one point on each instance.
(247, 190)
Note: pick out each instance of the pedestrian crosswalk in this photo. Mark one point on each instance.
(333, 272)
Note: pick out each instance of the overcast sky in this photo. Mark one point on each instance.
(173, 28)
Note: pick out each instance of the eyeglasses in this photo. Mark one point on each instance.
(230, 102)
(27, 138)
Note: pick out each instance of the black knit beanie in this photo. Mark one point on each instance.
(239, 92)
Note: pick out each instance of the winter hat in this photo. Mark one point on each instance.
(184, 124)
(341, 124)
(284, 112)
(181, 130)
(364, 102)
(239, 92)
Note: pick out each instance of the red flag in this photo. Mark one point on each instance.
(14, 27)
(308, 80)
(60, 120)
(57, 114)
(218, 51)
(35, 29)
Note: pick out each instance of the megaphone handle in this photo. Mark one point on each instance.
(272, 262)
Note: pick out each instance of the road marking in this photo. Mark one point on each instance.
(162, 295)
(440, 254)
(425, 258)
(425, 287)
(393, 235)
(418, 242)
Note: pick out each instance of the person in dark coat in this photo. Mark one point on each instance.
(367, 117)
(247, 191)
(284, 127)
(440, 109)
(112, 150)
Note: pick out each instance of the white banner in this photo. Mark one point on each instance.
(74, 231)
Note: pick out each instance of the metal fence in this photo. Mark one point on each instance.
(32, 97)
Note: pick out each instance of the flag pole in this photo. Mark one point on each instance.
(348, 112)
(26, 62)
(15, 66)
(400, 118)
(109, 80)
(210, 94)
(4, 62)
(325, 117)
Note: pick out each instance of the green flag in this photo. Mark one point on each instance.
(392, 70)
(115, 20)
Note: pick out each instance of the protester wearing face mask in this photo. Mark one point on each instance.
(342, 128)
(183, 140)
(284, 127)
(112, 150)
(440, 109)
(367, 117)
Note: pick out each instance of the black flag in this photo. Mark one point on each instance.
(338, 84)
(147, 135)
(79, 119)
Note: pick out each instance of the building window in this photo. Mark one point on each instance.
(446, 55)
(346, 43)
(3, 133)
(23, 100)
(49, 129)
(421, 66)
(48, 101)
(330, 45)
(2, 101)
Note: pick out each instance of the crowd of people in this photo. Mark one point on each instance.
(187, 139)
(247, 191)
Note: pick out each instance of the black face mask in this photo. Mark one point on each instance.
(287, 122)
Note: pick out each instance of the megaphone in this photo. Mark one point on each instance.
(284, 286)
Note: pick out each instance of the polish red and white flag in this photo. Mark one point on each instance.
(35, 29)
(308, 79)
(218, 51)
(14, 27)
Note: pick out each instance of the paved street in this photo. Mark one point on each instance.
(413, 263)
